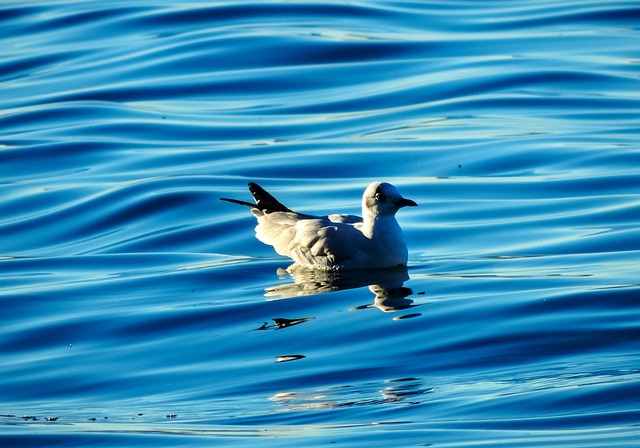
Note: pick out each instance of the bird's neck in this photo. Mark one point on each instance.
(379, 225)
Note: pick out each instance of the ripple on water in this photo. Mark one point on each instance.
(138, 306)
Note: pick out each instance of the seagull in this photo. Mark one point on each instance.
(335, 242)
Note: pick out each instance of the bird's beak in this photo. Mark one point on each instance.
(405, 203)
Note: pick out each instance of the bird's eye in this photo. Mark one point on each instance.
(380, 197)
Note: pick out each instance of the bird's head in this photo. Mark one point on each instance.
(383, 199)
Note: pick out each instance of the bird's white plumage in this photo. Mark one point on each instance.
(336, 242)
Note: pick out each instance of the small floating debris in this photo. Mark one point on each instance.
(287, 358)
(51, 419)
(29, 417)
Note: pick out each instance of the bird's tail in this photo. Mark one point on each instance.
(264, 201)
(236, 201)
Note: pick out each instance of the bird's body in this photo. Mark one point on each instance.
(335, 242)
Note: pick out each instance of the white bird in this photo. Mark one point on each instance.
(334, 242)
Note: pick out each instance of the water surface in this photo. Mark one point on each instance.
(138, 310)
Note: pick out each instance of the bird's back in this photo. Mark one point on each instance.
(313, 242)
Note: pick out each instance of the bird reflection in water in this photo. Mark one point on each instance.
(386, 285)
(280, 322)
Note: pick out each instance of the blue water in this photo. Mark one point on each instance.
(139, 310)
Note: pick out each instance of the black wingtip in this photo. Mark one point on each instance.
(264, 200)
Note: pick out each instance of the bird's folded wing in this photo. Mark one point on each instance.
(347, 219)
(317, 241)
